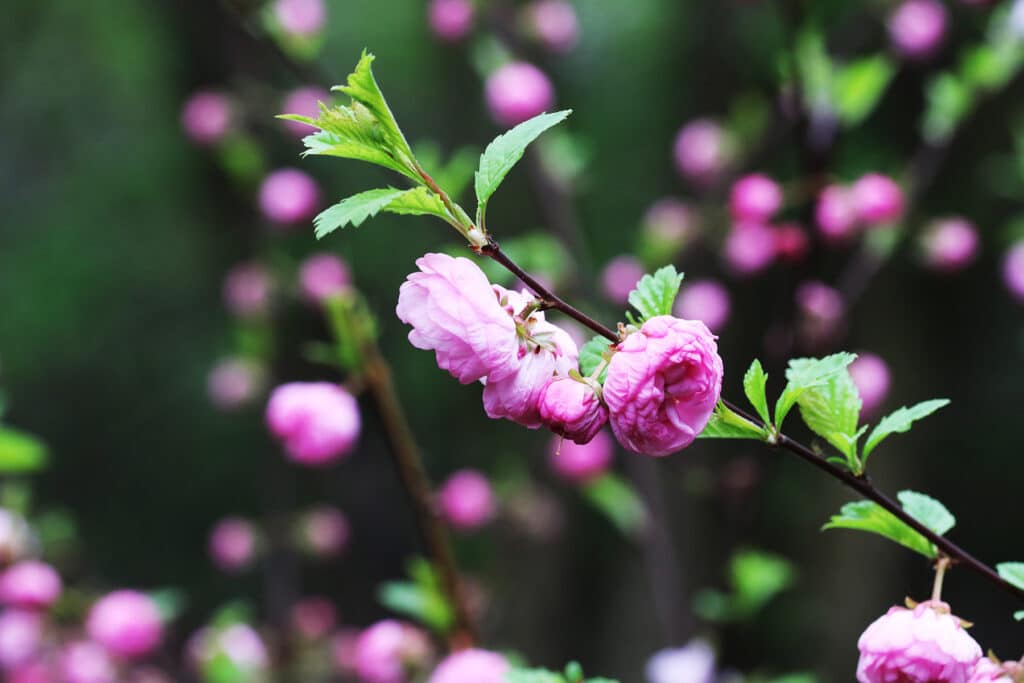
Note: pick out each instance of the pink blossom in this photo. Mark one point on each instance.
(755, 198)
(663, 384)
(619, 278)
(467, 500)
(1013, 270)
(455, 313)
(989, 671)
(304, 101)
(317, 422)
(86, 662)
(926, 644)
(580, 463)
(791, 243)
(233, 383)
(518, 91)
(300, 17)
(30, 584)
(694, 663)
(206, 117)
(671, 222)
(917, 27)
(471, 666)
(451, 20)
(949, 244)
(232, 544)
(325, 531)
(322, 276)
(704, 300)
(289, 196)
(702, 151)
(35, 671)
(822, 310)
(313, 617)
(836, 213)
(247, 289)
(243, 647)
(877, 199)
(871, 376)
(21, 636)
(388, 649)
(127, 623)
(554, 23)
(749, 248)
(572, 409)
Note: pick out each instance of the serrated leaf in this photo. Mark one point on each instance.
(20, 453)
(617, 500)
(655, 294)
(362, 87)
(1012, 572)
(355, 210)
(507, 149)
(726, 424)
(754, 386)
(419, 201)
(900, 421)
(865, 515)
(859, 87)
(592, 355)
(928, 511)
(805, 373)
(346, 138)
(831, 410)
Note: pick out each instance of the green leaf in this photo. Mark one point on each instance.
(346, 137)
(533, 676)
(950, 99)
(865, 515)
(754, 383)
(507, 149)
(655, 294)
(362, 88)
(859, 87)
(726, 424)
(1019, 616)
(170, 602)
(617, 500)
(900, 421)
(592, 355)
(757, 577)
(805, 373)
(1012, 572)
(20, 453)
(831, 410)
(419, 201)
(426, 606)
(358, 208)
(928, 511)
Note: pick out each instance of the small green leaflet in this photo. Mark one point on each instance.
(20, 453)
(831, 410)
(726, 424)
(928, 511)
(804, 373)
(1019, 616)
(900, 421)
(592, 355)
(1012, 572)
(655, 294)
(507, 149)
(859, 86)
(362, 88)
(756, 578)
(865, 515)
(616, 499)
(754, 386)
(356, 209)
(420, 598)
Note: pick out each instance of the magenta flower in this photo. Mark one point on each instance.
(247, 289)
(21, 637)
(949, 244)
(30, 585)
(619, 278)
(555, 25)
(877, 199)
(579, 463)
(518, 91)
(663, 384)
(300, 17)
(314, 617)
(704, 300)
(289, 196)
(926, 644)
(749, 248)
(572, 409)
(1013, 270)
(467, 500)
(755, 198)
(324, 531)
(836, 213)
(702, 151)
(450, 20)
(233, 383)
(386, 651)
(232, 544)
(871, 376)
(127, 623)
(989, 671)
(86, 662)
(206, 117)
(917, 28)
(304, 101)
(471, 666)
(322, 276)
(454, 312)
(317, 422)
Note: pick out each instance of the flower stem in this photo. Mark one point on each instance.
(940, 573)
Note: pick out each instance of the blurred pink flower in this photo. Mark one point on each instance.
(323, 275)
(467, 500)
(86, 662)
(388, 650)
(917, 28)
(871, 376)
(15, 536)
(325, 531)
(755, 198)
(791, 243)
(304, 101)
(127, 623)
(836, 213)
(206, 117)
(619, 278)
(30, 584)
(749, 248)
(21, 637)
(300, 17)
(877, 199)
(1013, 270)
(471, 666)
(518, 91)
(289, 196)
(704, 300)
(949, 244)
(702, 151)
(234, 382)
(317, 422)
(554, 23)
(247, 289)
(451, 20)
(232, 544)
(580, 463)
(313, 617)
(693, 663)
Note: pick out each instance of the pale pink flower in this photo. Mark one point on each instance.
(755, 197)
(206, 117)
(247, 289)
(127, 623)
(289, 196)
(693, 663)
(917, 28)
(30, 584)
(16, 537)
(467, 500)
(619, 278)
(21, 637)
(234, 382)
(317, 422)
(572, 409)
(554, 23)
(325, 531)
(702, 151)
(451, 20)
(386, 651)
(322, 276)
(313, 617)
(749, 248)
(877, 199)
(949, 244)
(86, 662)
(704, 300)
(471, 666)
(580, 463)
(304, 101)
(518, 91)
(836, 213)
(300, 17)
(871, 376)
(989, 671)
(232, 544)
(1013, 270)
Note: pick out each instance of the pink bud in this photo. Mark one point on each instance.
(21, 636)
(247, 289)
(314, 617)
(30, 585)
(232, 544)
(451, 20)
(822, 310)
(466, 500)
(86, 662)
(755, 198)
(126, 622)
(317, 422)
(471, 666)
(289, 196)
(791, 243)
(619, 278)
(749, 248)
(949, 244)
(580, 463)
(555, 25)
(300, 17)
(325, 531)
(233, 383)
(836, 213)
(304, 102)
(877, 199)
(322, 276)
(871, 375)
(1013, 270)
(917, 27)
(206, 117)
(572, 409)
(387, 651)
(15, 536)
(702, 151)
(704, 300)
(517, 92)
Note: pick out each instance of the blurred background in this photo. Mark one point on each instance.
(123, 214)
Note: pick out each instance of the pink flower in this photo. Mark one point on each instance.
(471, 666)
(663, 384)
(694, 663)
(289, 196)
(86, 662)
(835, 213)
(518, 91)
(917, 27)
(871, 376)
(451, 20)
(619, 278)
(300, 17)
(388, 649)
(30, 584)
(926, 644)
(877, 199)
(314, 617)
(317, 422)
(949, 244)
(822, 311)
(232, 544)
(466, 500)
(233, 383)
(304, 101)
(1013, 270)
(322, 276)
(989, 671)
(749, 248)
(572, 409)
(554, 24)
(243, 647)
(454, 312)
(36, 671)
(206, 117)
(325, 531)
(755, 198)
(247, 289)
(21, 636)
(702, 151)
(127, 623)
(704, 300)
(671, 222)
(579, 463)
(791, 243)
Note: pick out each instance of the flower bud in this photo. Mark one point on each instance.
(755, 198)
(30, 585)
(322, 276)
(619, 278)
(791, 243)
(313, 618)
(127, 623)
(518, 91)
(324, 531)
(694, 663)
(702, 151)
(317, 422)
(836, 213)
(822, 310)
(86, 662)
(206, 117)
(21, 636)
(554, 24)
(572, 409)
(471, 666)
(871, 376)
(234, 383)
(451, 20)
(949, 244)
(917, 28)
(579, 463)
(289, 196)
(467, 501)
(247, 289)
(387, 651)
(704, 300)
(1013, 270)
(304, 101)
(232, 545)
(877, 199)
(300, 17)
(749, 248)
